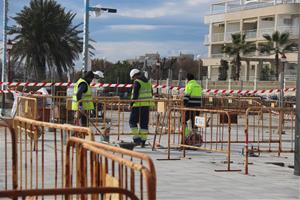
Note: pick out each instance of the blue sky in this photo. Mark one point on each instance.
(140, 26)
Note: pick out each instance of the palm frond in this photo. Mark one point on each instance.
(276, 36)
(284, 38)
(44, 36)
(268, 37)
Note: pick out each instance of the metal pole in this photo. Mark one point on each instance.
(85, 52)
(5, 19)
(157, 77)
(8, 66)
(297, 133)
(199, 70)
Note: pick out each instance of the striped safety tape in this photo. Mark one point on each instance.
(112, 85)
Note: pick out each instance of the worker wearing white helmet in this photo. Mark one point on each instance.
(142, 91)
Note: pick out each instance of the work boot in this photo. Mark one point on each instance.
(137, 141)
(143, 143)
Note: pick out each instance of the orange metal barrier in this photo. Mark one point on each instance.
(230, 102)
(100, 165)
(50, 163)
(269, 130)
(115, 114)
(67, 192)
(35, 145)
(212, 134)
(9, 162)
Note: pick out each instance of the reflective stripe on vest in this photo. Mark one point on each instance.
(87, 103)
(145, 93)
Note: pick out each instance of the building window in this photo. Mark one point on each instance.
(287, 21)
(252, 67)
(270, 19)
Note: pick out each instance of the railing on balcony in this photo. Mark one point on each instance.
(239, 7)
(251, 34)
(265, 31)
(217, 37)
(207, 39)
(292, 30)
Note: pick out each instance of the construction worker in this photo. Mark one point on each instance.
(142, 90)
(82, 91)
(192, 99)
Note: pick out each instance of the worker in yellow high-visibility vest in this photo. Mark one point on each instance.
(192, 98)
(82, 91)
(142, 91)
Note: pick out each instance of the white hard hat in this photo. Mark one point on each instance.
(99, 74)
(134, 72)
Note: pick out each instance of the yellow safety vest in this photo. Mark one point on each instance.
(87, 103)
(193, 93)
(145, 93)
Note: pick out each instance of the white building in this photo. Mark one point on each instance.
(254, 18)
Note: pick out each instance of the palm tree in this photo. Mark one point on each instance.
(278, 44)
(237, 47)
(45, 38)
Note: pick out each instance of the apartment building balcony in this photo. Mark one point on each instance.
(292, 30)
(251, 34)
(265, 31)
(217, 37)
(207, 40)
(240, 5)
(254, 34)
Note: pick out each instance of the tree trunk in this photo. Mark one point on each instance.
(277, 66)
(238, 67)
(41, 70)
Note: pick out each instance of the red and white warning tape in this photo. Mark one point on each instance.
(111, 85)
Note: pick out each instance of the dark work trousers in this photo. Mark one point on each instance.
(139, 115)
(83, 119)
(190, 115)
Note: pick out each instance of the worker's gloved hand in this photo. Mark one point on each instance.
(76, 115)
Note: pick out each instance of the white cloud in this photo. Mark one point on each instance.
(197, 2)
(170, 8)
(133, 27)
(115, 51)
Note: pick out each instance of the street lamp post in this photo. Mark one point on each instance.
(87, 9)
(199, 67)
(297, 132)
(281, 78)
(157, 74)
(9, 71)
(5, 19)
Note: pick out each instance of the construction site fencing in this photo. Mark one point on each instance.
(56, 109)
(66, 193)
(44, 165)
(100, 165)
(208, 130)
(34, 146)
(111, 117)
(114, 116)
(230, 102)
(269, 130)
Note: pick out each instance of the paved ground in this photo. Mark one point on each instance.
(195, 178)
